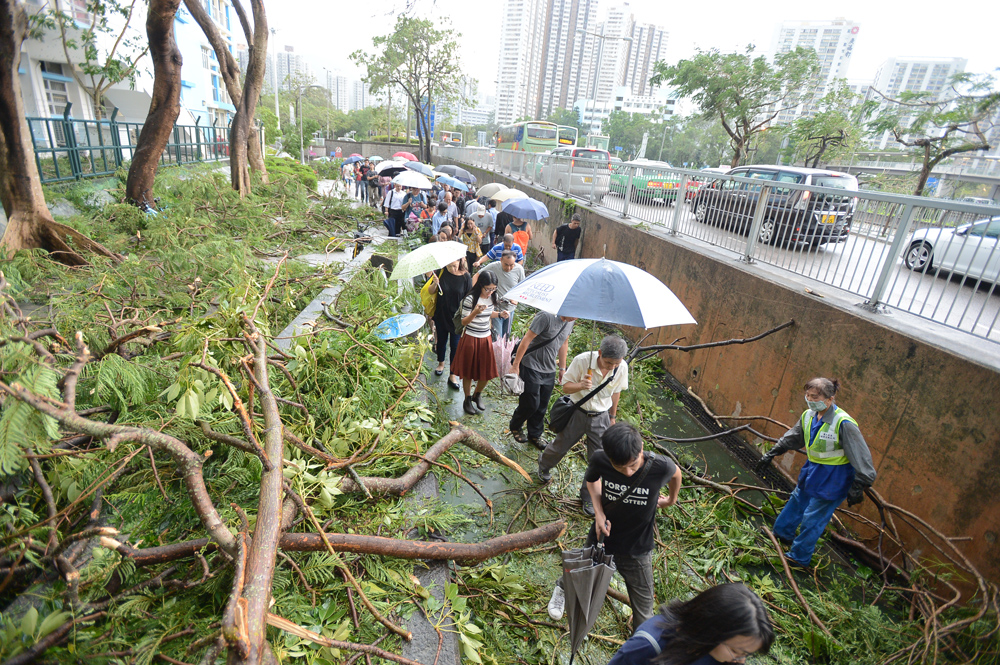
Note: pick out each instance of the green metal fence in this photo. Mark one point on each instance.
(71, 149)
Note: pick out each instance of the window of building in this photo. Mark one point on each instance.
(206, 57)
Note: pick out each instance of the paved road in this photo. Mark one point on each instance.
(853, 265)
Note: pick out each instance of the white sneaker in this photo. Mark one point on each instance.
(557, 603)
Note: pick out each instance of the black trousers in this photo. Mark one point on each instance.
(396, 222)
(533, 402)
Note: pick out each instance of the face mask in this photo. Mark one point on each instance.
(816, 406)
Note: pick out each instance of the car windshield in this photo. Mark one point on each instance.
(597, 155)
(836, 181)
(541, 132)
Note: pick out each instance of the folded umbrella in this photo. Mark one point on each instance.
(586, 576)
(426, 258)
(526, 209)
(454, 182)
(602, 290)
(490, 189)
(411, 179)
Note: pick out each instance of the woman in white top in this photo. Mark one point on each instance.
(474, 360)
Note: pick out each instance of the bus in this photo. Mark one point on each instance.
(531, 136)
(451, 138)
(598, 141)
(567, 135)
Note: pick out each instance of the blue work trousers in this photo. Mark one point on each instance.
(810, 516)
(501, 327)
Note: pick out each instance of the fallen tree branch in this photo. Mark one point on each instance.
(463, 553)
(652, 350)
(305, 634)
(795, 586)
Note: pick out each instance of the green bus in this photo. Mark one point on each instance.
(530, 136)
(567, 135)
(651, 181)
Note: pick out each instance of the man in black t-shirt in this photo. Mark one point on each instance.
(565, 237)
(628, 524)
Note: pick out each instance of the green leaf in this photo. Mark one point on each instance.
(52, 622)
(29, 621)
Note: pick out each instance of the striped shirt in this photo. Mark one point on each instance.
(479, 326)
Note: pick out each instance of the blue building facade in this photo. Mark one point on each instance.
(203, 92)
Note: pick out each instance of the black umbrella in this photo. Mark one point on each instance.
(458, 172)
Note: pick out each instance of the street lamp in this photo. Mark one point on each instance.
(600, 57)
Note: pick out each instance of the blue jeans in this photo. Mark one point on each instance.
(810, 516)
(501, 327)
(565, 256)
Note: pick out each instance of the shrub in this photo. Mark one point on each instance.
(279, 167)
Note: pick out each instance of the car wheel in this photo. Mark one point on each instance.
(701, 212)
(918, 257)
(768, 233)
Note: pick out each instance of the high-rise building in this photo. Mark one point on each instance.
(360, 96)
(563, 65)
(340, 93)
(898, 75)
(625, 52)
(833, 41)
(522, 30)
(556, 52)
(289, 64)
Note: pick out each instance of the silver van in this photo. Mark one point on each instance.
(578, 171)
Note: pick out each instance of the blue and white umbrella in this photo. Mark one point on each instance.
(454, 182)
(526, 209)
(602, 290)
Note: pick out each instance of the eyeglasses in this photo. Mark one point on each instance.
(489, 289)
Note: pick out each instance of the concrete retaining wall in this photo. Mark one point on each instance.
(369, 148)
(925, 410)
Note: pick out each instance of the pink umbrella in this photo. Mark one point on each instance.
(408, 155)
(502, 349)
(354, 154)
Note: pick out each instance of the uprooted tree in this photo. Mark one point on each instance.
(244, 141)
(29, 223)
(43, 428)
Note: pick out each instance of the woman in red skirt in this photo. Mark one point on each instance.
(474, 360)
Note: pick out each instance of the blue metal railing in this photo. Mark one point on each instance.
(68, 148)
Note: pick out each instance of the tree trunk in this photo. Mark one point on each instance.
(242, 129)
(230, 72)
(29, 223)
(163, 108)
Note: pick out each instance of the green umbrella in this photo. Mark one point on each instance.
(427, 258)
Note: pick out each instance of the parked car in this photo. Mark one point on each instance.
(978, 200)
(792, 216)
(971, 250)
(651, 181)
(578, 171)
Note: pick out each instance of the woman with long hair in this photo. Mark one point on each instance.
(475, 360)
(722, 624)
(453, 283)
(471, 237)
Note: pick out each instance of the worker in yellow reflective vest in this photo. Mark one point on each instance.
(839, 467)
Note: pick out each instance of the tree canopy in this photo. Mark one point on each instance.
(744, 93)
(422, 61)
(937, 126)
(833, 129)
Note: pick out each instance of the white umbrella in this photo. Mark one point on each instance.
(412, 179)
(505, 194)
(602, 290)
(491, 189)
(427, 258)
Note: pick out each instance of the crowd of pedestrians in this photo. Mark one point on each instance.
(624, 485)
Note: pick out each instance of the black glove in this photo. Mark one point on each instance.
(764, 462)
(856, 494)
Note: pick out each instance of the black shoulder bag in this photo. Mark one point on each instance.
(533, 346)
(564, 407)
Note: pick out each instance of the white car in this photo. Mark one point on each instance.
(972, 250)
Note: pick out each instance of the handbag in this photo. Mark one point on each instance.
(457, 320)
(429, 297)
(564, 407)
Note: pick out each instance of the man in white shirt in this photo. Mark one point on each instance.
(586, 372)
(392, 205)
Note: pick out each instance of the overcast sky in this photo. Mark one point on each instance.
(328, 32)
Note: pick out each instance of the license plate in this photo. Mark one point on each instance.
(828, 219)
(588, 180)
